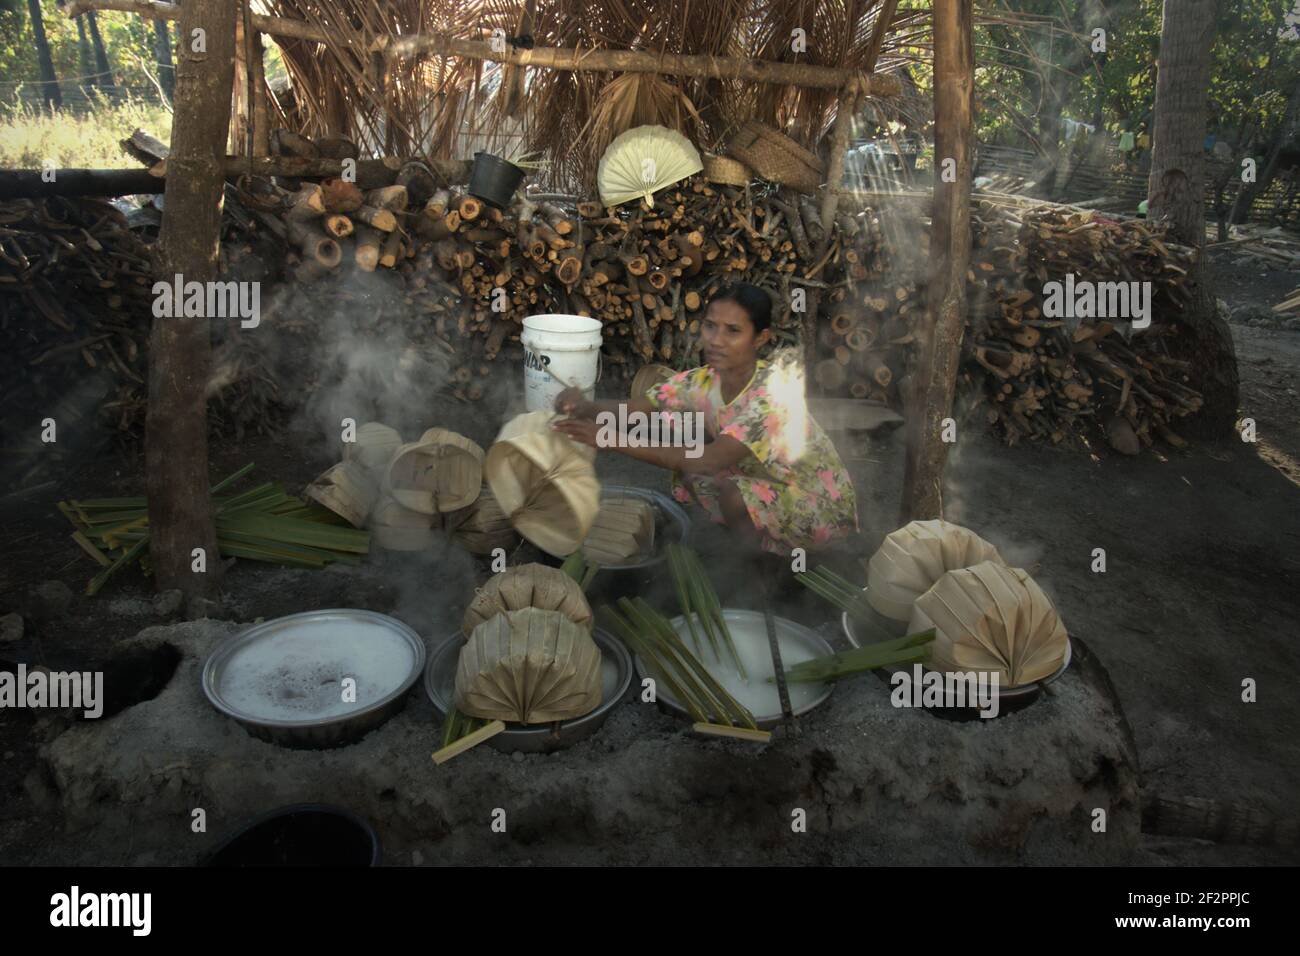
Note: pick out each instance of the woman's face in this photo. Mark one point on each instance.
(728, 336)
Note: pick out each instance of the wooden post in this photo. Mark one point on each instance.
(261, 114)
(848, 100)
(940, 332)
(176, 424)
(1176, 198)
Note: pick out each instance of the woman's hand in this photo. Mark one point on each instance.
(573, 402)
(583, 432)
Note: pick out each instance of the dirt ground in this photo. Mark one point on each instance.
(1201, 589)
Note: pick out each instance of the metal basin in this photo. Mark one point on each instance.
(749, 630)
(281, 679)
(440, 685)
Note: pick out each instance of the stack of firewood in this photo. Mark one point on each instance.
(1059, 378)
(74, 317)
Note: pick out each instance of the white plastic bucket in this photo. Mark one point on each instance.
(559, 351)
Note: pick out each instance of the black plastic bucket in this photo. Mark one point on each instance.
(306, 834)
(493, 179)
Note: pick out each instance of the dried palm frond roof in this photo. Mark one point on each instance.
(445, 105)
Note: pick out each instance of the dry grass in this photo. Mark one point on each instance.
(28, 137)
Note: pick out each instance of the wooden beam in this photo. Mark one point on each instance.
(28, 183)
(257, 80)
(176, 423)
(555, 58)
(639, 61)
(940, 330)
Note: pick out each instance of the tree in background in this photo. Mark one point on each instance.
(85, 58)
(50, 93)
(163, 52)
(1176, 197)
(103, 72)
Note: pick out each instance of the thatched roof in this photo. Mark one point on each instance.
(446, 105)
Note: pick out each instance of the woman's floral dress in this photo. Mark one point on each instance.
(793, 483)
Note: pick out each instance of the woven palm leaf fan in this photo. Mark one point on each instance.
(443, 471)
(912, 558)
(643, 160)
(990, 617)
(528, 666)
(545, 482)
(528, 585)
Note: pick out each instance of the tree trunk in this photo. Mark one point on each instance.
(163, 51)
(940, 333)
(103, 72)
(50, 93)
(176, 446)
(1176, 198)
(85, 59)
(1249, 192)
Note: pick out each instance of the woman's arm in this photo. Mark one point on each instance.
(571, 401)
(718, 455)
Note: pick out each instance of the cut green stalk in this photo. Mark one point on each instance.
(229, 480)
(100, 579)
(458, 725)
(644, 618)
(714, 608)
(615, 622)
(293, 531)
(693, 667)
(683, 595)
(904, 650)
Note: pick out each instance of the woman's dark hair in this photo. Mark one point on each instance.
(755, 301)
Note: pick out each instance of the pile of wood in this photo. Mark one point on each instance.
(74, 315)
(1058, 378)
(462, 275)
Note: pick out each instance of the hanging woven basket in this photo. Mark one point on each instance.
(725, 170)
(528, 585)
(776, 157)
(528, 666)
(545, 482)
(443, 471)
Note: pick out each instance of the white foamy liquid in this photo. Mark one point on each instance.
(759, 697)
(298, 673)
(608, 676)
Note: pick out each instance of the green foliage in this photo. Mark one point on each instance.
(128, 43)
(1256, 62)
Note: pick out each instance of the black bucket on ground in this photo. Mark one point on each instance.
(493, 179)
(305, 834)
